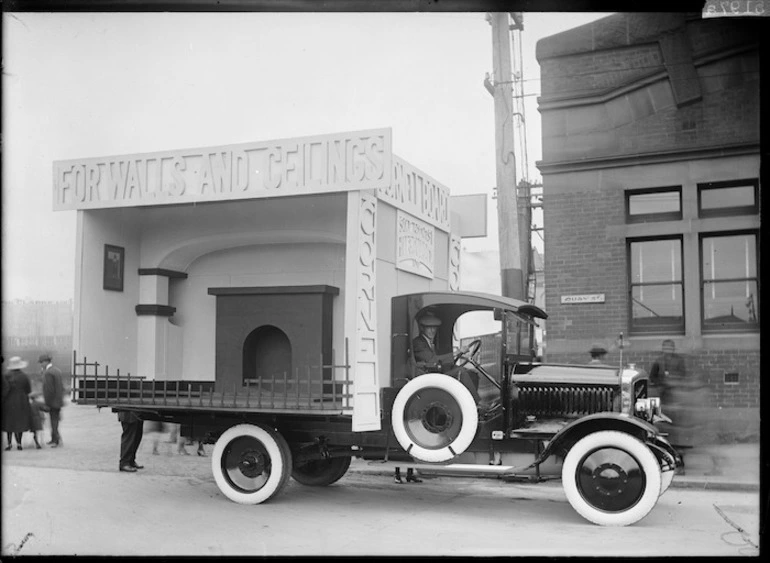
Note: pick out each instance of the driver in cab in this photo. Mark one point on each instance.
(428, 360)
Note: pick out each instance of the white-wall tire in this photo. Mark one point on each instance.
(434, 417)
(250, 464)
(611, 478)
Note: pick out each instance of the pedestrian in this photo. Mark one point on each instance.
(597, 353)
(37, 407)
(156, 428)
(175, 436)
(53, 394)
(681, 398)
(17, 416)
(410, 478)
(130, 439)
(666, 369)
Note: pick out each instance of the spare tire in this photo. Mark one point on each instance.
(434, 417)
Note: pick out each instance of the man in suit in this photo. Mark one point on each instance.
(130, 439)
(428, 360)
(53, 395)
(666, 370)
(597, 353)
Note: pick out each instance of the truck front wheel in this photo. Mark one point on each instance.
(611, 478)
(321, 472)
(251, 463)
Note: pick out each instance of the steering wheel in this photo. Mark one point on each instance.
(473, 348)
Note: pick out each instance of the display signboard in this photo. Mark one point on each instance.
(415, 246)
(359, 160)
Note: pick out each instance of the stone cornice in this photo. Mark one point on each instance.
(156, 310)
(570, 100)
(162, 272)
(661, 157)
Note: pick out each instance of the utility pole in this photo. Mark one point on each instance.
(513, 275)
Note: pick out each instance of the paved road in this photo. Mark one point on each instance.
(67, 511)
(73, 500)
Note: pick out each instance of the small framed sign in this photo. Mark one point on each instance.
(589, 298)
(114, 262)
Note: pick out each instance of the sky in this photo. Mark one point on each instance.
(79, 85)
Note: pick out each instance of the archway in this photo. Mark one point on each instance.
(266, 356)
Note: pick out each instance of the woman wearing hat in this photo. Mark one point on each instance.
(17, 415)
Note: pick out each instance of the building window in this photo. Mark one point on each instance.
(730, 284)
(656, 286)
(654, 204)
(719, 199)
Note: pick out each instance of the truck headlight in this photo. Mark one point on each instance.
(647, 408)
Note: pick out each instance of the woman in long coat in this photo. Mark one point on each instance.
(17, 415)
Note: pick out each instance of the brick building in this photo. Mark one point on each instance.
(651, 164)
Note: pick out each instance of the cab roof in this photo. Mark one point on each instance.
(468, 301)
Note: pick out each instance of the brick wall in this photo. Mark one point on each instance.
(596, 104)
(579, 256)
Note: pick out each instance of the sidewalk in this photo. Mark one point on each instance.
(91, 439)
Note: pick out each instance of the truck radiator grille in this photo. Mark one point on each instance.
(562, 400)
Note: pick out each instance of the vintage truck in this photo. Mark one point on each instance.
(590, 425)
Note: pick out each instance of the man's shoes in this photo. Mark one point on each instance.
(413, 479)
(398, 480)
(137, 466)
(49, 442)
(53, 444)
(128, 468)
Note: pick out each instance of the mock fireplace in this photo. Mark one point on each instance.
(268, 335)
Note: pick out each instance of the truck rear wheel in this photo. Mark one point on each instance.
(251, 463)
(611, 478)
(321, 472)
(434, 417)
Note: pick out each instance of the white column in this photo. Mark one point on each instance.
(152, 321)
(361, 307)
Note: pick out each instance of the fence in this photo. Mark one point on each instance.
(312, 388)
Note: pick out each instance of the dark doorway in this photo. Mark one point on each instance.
(266, 331)
(266, 355)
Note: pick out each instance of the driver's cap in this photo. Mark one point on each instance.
(429, 319)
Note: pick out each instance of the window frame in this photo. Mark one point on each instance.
(668, 330)
(743, 327)
(649, 217)
(729, 211)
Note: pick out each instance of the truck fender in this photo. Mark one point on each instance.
(575, 430)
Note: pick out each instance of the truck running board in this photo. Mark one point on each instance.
(454, 468)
